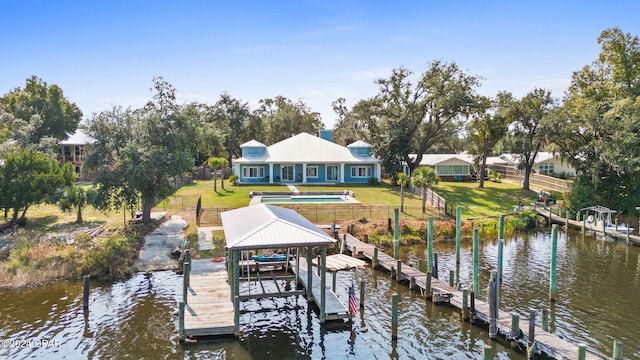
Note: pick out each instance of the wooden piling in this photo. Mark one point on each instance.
(181, 320)
(545, 320)
(393, 272)
(500, 261)
(322, 265)
(375, 258)
(493, 309)
(515, 325)
(427, 287)
(472, 308)
(412, 283)
(582, 351)
(399, 270)
(236, 316)
(394, 317)
(465, 304)
(420, 265)
(430, 245)
(617, 350)
(451, 278)
(435, 265)
(552, 272)
(309, 274)
(501, 227)
(486, 352)
(85, 292)
(185, 281)
(476, 261)
(396, 233)
(361, 294)
(333, 283)
(531, 340)
(458, 232)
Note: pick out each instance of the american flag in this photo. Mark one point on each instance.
(353, 305)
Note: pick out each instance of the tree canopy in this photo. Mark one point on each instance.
(43, 109)
(138, 153)
(29, 177)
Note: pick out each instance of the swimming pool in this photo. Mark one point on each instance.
(303, 199)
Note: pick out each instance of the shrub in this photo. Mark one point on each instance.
(233, 179)
(373, 181)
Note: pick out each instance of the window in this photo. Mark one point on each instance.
(361, 172)
(452, 169)
(253, 172)
(545, 169)
(332, 173)
(312, 171)
(287, 172)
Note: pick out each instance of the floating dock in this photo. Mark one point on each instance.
(334, 308)
(549, 344)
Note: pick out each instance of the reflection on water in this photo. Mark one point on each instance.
(597, 288)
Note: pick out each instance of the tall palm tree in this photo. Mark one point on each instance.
(424, 177)
(403, 179)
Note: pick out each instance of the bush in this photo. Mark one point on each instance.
(373, 181)
(233, 179)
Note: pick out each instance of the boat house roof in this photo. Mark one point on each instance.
(267, 227)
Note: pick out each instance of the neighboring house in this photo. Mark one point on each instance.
(306, 159)
(449, 167)
(73, 149)
(546, 163)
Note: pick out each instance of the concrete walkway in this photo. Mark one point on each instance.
(205, 238)
(158, 244)
(293, 188)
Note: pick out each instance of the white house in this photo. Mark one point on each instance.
(447, 166)
(545, 163)
(306, 159)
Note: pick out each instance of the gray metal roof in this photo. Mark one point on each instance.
(265, 226)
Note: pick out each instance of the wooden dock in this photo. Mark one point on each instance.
(549, 344)
(556, 219)
(334, 308)
(209, 309)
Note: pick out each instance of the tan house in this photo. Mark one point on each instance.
(73, 149)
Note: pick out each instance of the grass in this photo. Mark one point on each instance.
(494, 199)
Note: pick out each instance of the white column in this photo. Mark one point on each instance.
(304, 173)
(270, 173)
(379, 171)
(341, 172)
(238, 172)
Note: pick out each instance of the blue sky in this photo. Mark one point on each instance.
(105, 53)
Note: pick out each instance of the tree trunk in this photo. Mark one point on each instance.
(424, 200)
(79, 216)
(215, 180)
(401, 198)
(222, 178)
(147, 204)
(483, 168)
(527, 174)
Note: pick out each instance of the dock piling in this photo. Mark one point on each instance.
(181, 320)
(486, 352)
(545, 320)
(375, 258)
(476, 261)
(361, 294)
(435, 265)
(399, 271)
(451, 277)
(394, 317)
(582, 351)
(396, 233)
(493, 308)
(617, 350)
(515, 325)
(427, 287)
(85, 292)
(531, 340)
(552, 271)
(465, 304)
(430, 246)
(458, 232)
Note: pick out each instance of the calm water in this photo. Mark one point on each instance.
(135, 319)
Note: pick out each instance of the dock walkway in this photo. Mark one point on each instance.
(209, 309)
(546, 342)
(556, 219)
(334, 308)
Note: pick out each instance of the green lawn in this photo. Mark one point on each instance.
(494, 199)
